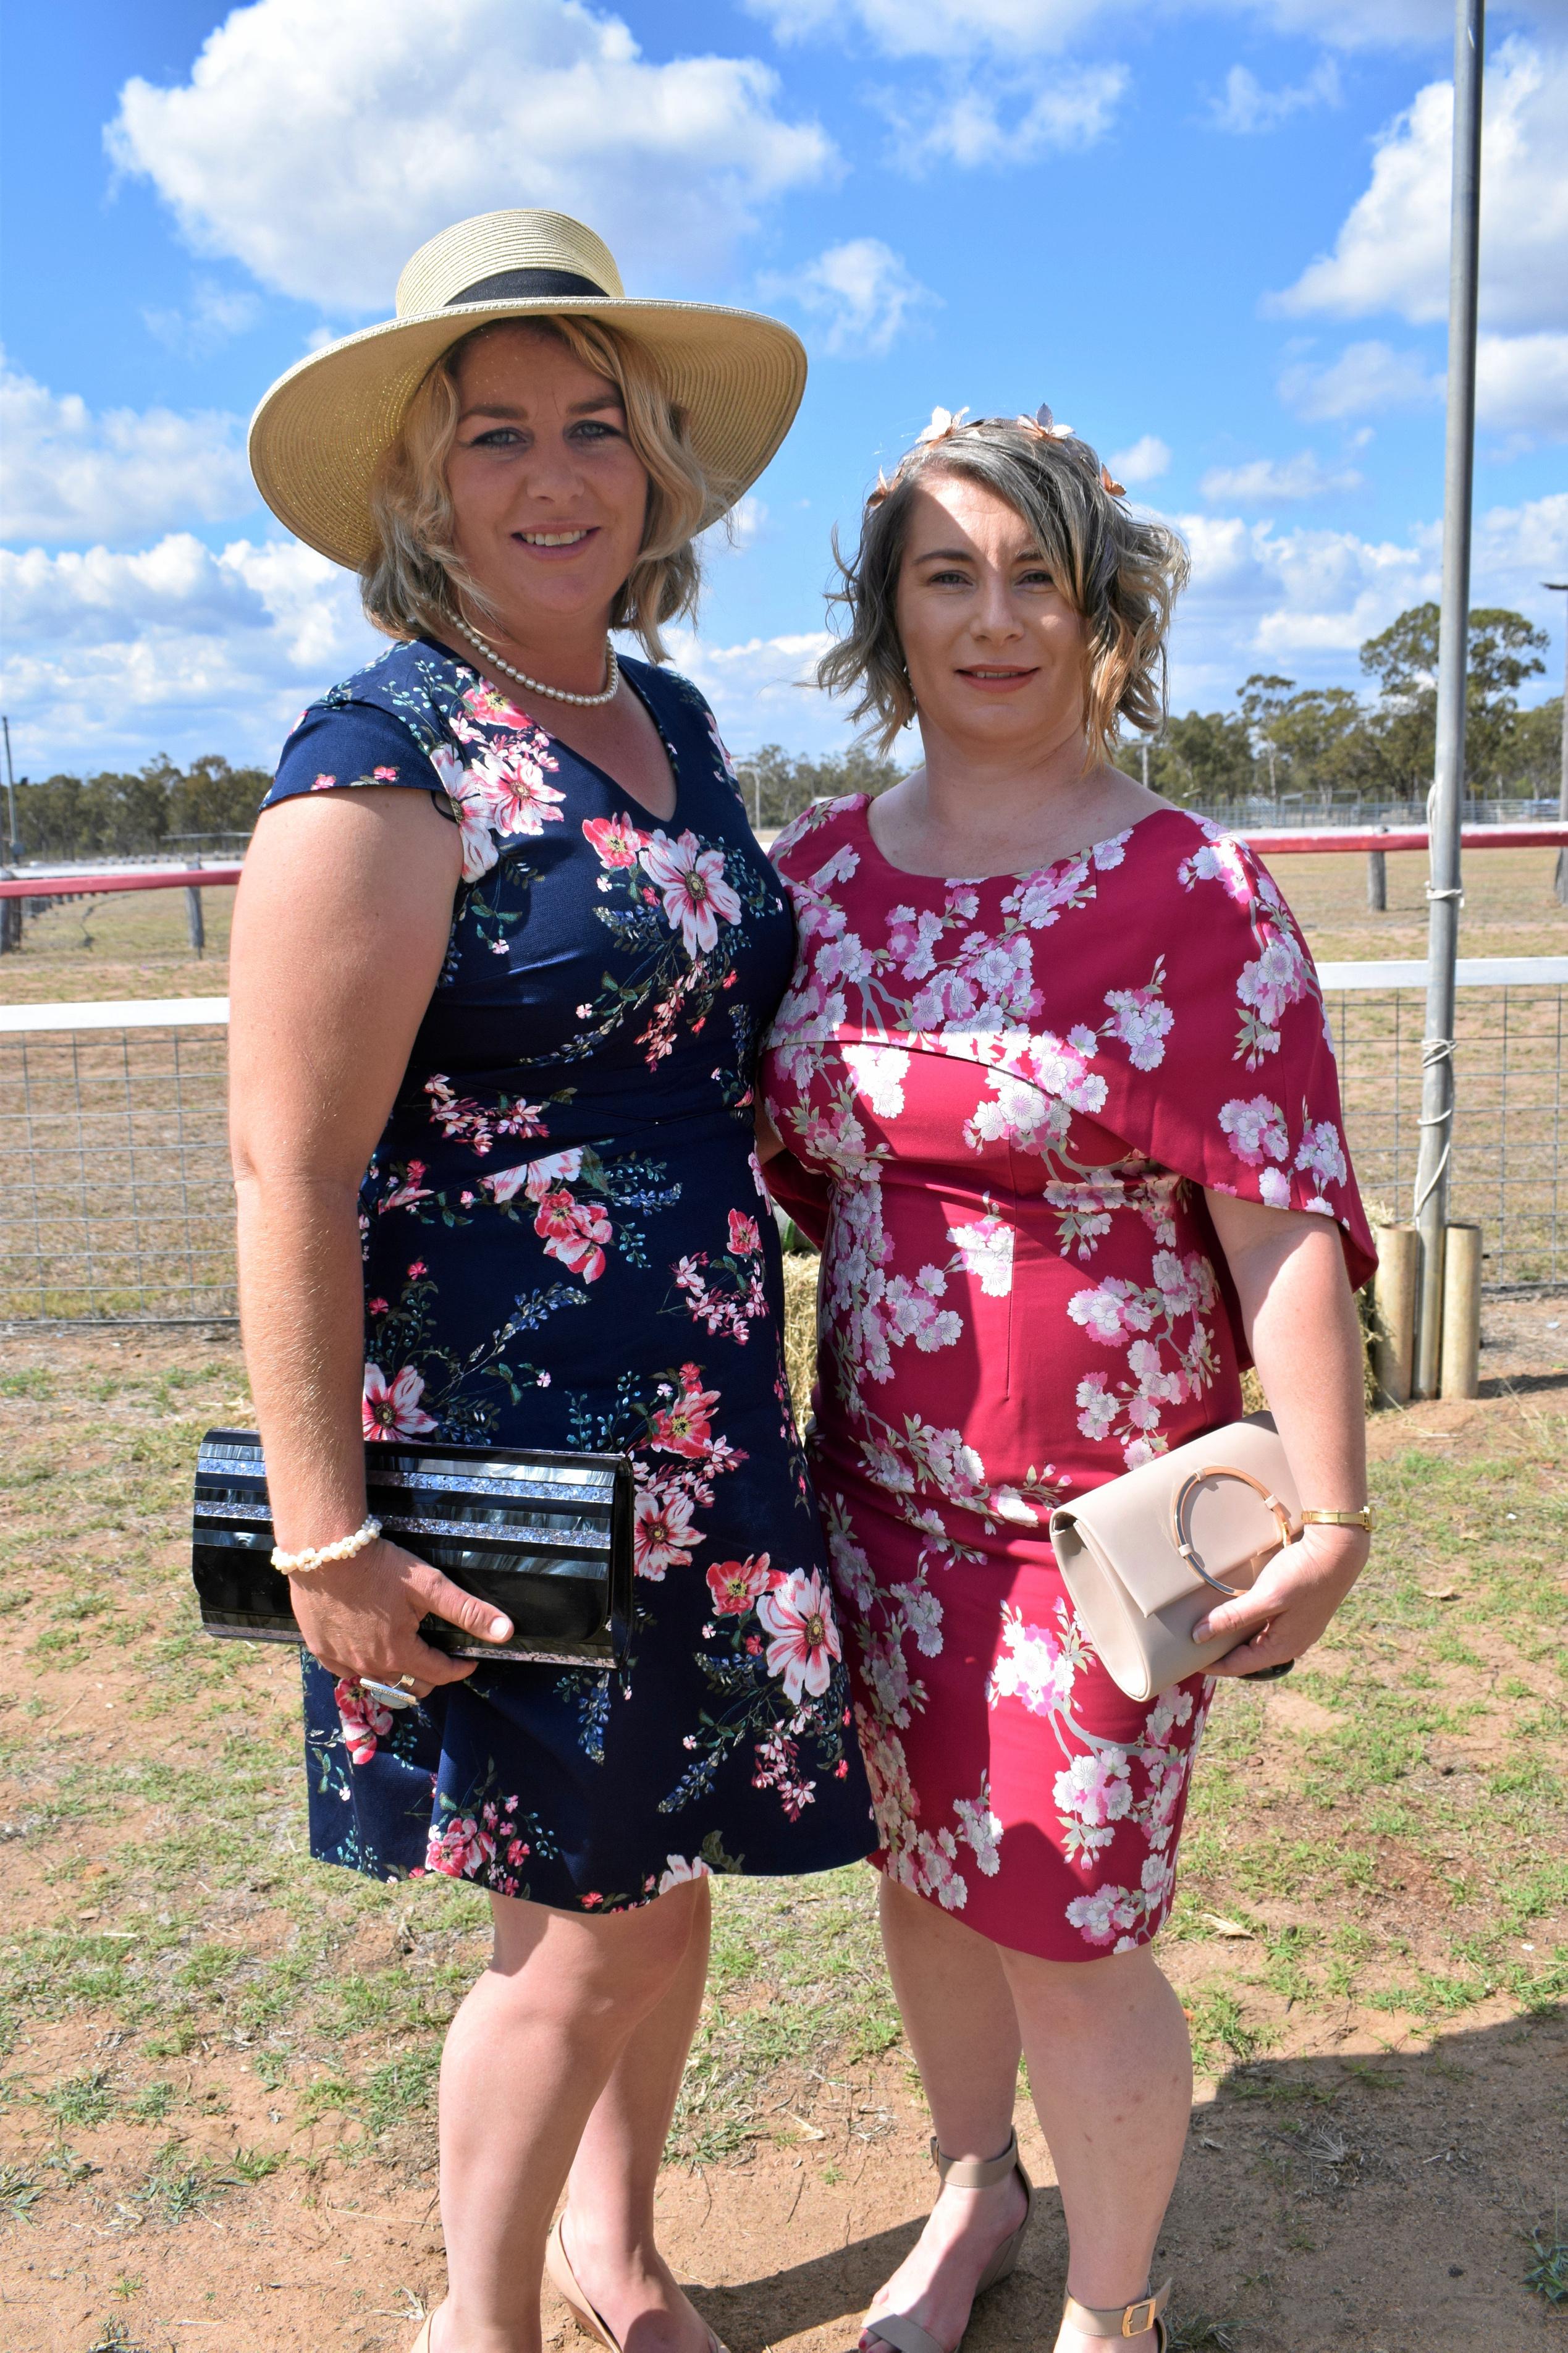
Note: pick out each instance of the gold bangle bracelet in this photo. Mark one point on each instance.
(1362, 1519)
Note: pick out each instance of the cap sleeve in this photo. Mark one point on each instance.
(339, 747)
(1242, 1093)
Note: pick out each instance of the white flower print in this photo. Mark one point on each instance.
(1037, 1665)
(980, 1829)
(1040, 897)
(1255, 1128)
(880, 1073)
(679, 1870)
(1321, 1151)
(1092, 1796)
(985, 1248)
(1142, 1022)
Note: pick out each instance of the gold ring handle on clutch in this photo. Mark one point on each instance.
(1180, 1500)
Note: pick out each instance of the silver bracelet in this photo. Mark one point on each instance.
(300, 1564)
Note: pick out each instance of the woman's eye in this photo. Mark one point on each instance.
(1036, 579)
(594, 428)
(500, 437)
(948, 580)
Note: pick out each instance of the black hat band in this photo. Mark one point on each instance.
(519, 285)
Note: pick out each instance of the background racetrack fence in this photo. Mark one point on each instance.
(116, 1201)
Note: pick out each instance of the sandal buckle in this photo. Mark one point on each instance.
(1139, 2318)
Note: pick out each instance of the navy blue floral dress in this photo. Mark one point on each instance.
(566, 1243)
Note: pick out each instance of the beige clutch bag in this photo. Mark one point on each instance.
(1146, 1555)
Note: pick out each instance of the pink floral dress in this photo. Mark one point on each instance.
(1003, 1100)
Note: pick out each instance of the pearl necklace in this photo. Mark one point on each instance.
(537, 685)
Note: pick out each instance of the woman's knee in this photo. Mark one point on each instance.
(1105, 1988)
(590, 1973)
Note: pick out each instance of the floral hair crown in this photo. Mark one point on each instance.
(945, 423)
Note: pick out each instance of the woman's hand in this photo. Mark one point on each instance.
(361, 1617)
(1285, 1612)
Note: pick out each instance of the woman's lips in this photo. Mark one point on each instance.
(998, 682)
(531, 548)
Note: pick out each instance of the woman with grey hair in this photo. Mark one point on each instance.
(1054, 1088)
(503, 954)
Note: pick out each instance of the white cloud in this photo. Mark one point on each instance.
(1392, 253)
(861, 293)
(764, 689)
(1264, 479)
(114, 656)
(319, 146)
(1247, 107)
(1145, 462)
(962, 29)
(992, 119)
(1365, 379)
(68, 474)
(1305, 600)
(1522, 385)
(215, 315)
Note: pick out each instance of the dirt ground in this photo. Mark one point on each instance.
(216, 2115)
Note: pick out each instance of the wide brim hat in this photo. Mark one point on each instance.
(320, 432)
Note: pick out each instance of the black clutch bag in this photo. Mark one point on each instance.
(546, 1537)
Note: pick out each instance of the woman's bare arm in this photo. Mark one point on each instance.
(1299, 1316)
(340, 927)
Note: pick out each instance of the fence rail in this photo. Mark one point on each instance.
(115, 1202)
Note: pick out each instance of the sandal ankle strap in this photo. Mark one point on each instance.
(1118, 2319)
(977, 2172)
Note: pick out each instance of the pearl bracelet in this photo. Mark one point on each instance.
(300, 1564)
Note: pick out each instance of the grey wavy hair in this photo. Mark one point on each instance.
(414, 579)
(1122, 572)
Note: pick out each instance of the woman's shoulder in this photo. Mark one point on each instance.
(820, 828)
(391, 723)
(415, 682)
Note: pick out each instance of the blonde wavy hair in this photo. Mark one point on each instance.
(415, 578)
(1120, 571)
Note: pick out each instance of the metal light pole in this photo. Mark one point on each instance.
(10, 908)
(14, 840)
(1563, 789)
(1445, 803)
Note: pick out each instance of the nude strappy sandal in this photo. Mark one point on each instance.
(422, 2342)
(567, 2287)
(1123, 2319)
(906, 2336)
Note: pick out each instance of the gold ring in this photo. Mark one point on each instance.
(406, 1683)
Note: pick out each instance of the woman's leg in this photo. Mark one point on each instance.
(527, 2058)
(608, 2233)
(1111, 2072)
(958, 2011)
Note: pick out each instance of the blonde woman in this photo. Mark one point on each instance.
(503, 954)
(1053, 1077)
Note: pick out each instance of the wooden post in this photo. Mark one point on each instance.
(194, 925)
(1377, 881)
(1460, 1375)
(1394, 1298)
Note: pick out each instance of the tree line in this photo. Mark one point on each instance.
(1324, 741)
(1282, 740)
(119, 815)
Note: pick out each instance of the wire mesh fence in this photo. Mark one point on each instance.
(115, 1197)
(1508, 1127)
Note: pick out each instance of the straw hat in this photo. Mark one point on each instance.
(319, 433)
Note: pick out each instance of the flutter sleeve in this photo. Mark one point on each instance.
(337, 746)
(1233, 1080)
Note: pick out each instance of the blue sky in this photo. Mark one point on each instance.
(1210, 233)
